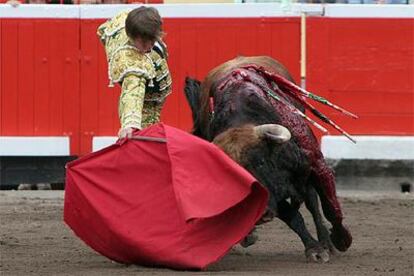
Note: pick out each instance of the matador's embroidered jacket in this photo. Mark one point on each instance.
(145, 78)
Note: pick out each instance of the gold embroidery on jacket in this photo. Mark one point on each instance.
(145, 78)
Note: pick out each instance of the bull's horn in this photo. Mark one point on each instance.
(278, 133)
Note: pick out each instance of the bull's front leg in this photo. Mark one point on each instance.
(314, 251)
(252, 237)
(312, 204)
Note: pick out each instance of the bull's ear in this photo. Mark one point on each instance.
(276, 133)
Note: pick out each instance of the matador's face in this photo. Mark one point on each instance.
(143, 46)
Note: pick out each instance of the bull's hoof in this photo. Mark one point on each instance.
(341, 237)
(329, 245)
(249, 239)
(317, 254)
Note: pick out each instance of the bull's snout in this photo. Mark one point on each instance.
(277, 133)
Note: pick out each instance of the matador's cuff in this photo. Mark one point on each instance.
(131, 101)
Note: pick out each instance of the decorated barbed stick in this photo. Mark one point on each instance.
(317, 113)
(279, 79)
(325, 119)
(289, 105)
(307, 105)
(329, 121)
(295, 110)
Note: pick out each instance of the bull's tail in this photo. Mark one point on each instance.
(192, 92)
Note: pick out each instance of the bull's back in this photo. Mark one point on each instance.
(267, 62)
(219, 72)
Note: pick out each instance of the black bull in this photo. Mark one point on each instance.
(229, 104)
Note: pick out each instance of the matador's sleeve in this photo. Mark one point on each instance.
(131, 101)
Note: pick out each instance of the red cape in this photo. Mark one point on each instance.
(180, 204)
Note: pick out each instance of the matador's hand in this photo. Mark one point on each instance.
(126, 132)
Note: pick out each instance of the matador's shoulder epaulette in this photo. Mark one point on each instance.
(112, 26)
(122, 56)
(127, 60)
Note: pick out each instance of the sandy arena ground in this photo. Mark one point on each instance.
(35, 241)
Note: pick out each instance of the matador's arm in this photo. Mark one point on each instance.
(131, 101)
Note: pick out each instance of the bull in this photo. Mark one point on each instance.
(247, 107)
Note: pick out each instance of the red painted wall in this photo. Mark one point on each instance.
(367, 66)
(39, 86)
(53, 75)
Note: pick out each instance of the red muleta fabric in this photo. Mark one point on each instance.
(181, 204)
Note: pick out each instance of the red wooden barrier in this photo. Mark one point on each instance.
(366, 65)
(53, 74)
(40, 78)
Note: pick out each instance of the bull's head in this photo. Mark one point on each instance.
(264, 150)
(237, 142)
